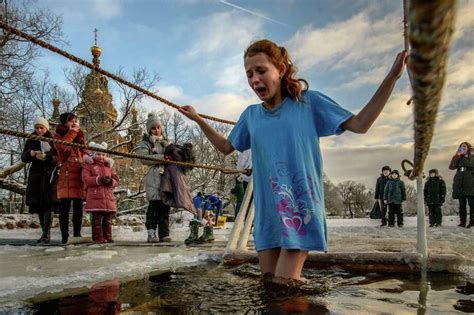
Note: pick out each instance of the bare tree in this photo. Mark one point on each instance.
(16, 54)
(332, 200)
(356, 198)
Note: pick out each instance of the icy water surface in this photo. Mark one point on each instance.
(213, 289)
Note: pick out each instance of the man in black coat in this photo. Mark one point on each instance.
(435, 194)
(379, 188)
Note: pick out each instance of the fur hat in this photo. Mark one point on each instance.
(151, 121)
(41, 121)
(65, 117)
(386, 168)
(395, 172)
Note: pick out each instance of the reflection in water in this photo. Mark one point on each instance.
(465, 305)
(101, 299)
(423, 293)
(213, 289)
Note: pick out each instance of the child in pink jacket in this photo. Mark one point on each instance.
(100, 179)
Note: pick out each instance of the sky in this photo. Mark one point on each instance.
(342, 48)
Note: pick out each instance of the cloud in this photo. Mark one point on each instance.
(222, 33)
(225, 105)
(464, 22)
(85, 10)
(107, 8)
(340, 44)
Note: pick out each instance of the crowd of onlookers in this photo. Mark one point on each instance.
(390, 192)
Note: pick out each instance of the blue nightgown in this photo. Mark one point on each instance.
(287, 168)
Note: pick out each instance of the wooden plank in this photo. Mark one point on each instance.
(366, 261)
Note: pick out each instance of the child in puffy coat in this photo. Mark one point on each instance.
(100, 179)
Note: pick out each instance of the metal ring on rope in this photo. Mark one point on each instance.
(406, 172)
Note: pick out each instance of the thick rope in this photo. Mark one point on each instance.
(112, 152)
(430, 28)
(91, 66)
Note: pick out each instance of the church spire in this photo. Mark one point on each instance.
(96, 50)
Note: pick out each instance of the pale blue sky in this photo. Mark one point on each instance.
(343, 48)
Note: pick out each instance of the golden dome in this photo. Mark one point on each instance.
(96, 51)
(56, 102)
(134, 110)
(98, 91)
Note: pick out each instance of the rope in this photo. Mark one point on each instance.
(430, 29)
(129, 155)
(91, 66)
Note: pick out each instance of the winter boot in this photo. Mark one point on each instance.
(207, 236)
(97, 234)
(64, 226)
(471, 219)
(151, 236)
(107, 227)
(194, 233)
(462, 219)
(47, 220)
(41, 221)
(165, 239)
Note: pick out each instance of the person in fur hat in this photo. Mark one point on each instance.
(157, 216)
(69, 183)
(435, 194)
(100, 180)
(394, 195)
(39, 191)
(463, 182)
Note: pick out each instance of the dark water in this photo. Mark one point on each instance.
(213, 289)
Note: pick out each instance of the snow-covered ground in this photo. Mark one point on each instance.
(26, 271)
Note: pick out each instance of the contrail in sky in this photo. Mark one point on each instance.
(251, 12)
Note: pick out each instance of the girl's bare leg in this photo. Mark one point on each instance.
(290, 263)
(268, 259)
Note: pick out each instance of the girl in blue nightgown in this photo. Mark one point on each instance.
(283, 133)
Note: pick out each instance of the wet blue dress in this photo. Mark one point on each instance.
(287, 168)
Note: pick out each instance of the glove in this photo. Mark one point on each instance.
(105, 180)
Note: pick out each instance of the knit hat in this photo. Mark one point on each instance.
(395, 172)
(65, 117)
(41, 121)
(151, 121)
(102, 145)
(386, 168)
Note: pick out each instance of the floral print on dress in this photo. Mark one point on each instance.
(292, 208)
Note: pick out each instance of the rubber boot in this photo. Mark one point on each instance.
(207, 236)
(151, 236)
(194, 233)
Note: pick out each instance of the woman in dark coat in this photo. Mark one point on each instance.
(463, 182)
(39, 191)
(70, 186)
